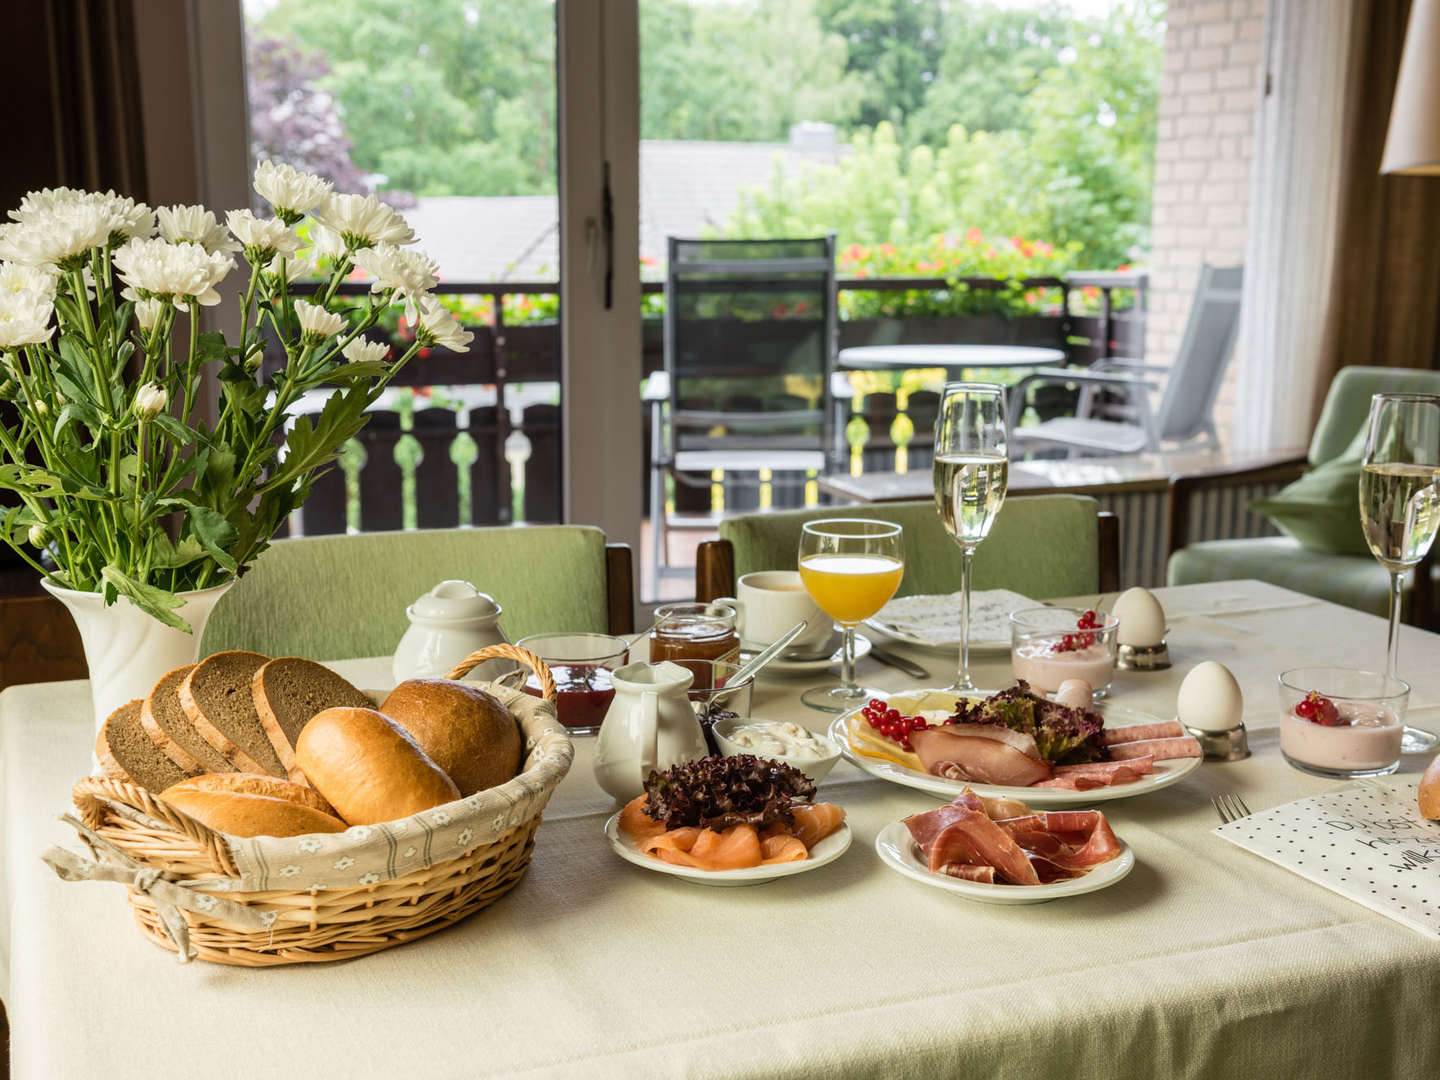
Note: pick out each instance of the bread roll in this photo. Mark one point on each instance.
(252, 784)
(368, 768)
(464, 730)
(251, 815)
(1430, 791)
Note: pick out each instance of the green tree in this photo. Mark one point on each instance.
(895, 46)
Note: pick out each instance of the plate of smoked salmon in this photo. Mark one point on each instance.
(735, 854)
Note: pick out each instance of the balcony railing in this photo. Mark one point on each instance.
(474, 438)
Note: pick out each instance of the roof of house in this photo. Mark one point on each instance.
(685, 188)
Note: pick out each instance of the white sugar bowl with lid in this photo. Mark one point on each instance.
(447, 624)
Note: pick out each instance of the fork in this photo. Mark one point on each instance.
(1230, 807)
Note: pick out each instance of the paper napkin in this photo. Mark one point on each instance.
(935, 620)
(1365, 841)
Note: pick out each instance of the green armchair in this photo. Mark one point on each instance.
(337, 597)
(1041, 545)
(1356, 581)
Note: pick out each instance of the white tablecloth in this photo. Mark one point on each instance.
(1205, 961)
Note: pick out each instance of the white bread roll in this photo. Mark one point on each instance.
(461, 728)
(1430, 791)
(234, 783)
(368, 768)
(251, 815)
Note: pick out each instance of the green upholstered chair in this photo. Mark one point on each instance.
(1042, 546)
(1356, 581)
(336, 597)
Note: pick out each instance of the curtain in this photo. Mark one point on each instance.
(1295, 194)
(1343, 264)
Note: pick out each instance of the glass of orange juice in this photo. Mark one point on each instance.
(851, 568)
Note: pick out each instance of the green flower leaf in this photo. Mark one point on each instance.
(148, 598)
(215, 533)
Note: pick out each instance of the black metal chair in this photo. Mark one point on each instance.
(750, 337)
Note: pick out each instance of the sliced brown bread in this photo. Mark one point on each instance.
(288, 692)
(164, 720)
(216, 697)
(127, 753)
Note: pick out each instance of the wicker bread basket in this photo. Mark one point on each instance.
(192, 890)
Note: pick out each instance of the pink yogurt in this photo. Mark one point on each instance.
(1037, 663)
(1370, 740)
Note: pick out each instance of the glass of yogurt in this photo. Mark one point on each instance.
(1047, 646)
(1342, 722)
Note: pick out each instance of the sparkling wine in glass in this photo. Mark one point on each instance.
(1400, 503)
(851, 568)
(971, 470)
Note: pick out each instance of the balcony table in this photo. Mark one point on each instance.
(1205, 961)
(952, 358)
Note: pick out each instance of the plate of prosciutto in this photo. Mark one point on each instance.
(1017, 744)
(1000, 851)
(738, 820)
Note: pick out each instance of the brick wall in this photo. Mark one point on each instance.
(1205, 139)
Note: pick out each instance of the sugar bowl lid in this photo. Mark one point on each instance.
(454, 599)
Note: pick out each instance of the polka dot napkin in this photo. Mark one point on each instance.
(1365, 841)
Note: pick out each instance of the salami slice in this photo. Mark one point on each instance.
(1160, 749)
(1163, 729)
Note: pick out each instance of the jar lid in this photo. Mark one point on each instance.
(455, 600)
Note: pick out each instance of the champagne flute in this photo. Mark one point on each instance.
(971, 470)
(1400, 505)
(851, 568)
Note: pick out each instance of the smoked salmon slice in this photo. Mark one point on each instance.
(738, 847)
(634, 821)
(815, 821)
(781, 848)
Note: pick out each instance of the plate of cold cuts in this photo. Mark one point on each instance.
(1017, 744)
(1000, 851)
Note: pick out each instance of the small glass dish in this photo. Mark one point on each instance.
(1371, 708)
(1041, 655)
(581, 665)
(813, 767)
(722, 700)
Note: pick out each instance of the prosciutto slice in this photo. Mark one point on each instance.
(1030, 849)
(980, 754)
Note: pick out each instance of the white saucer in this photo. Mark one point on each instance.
(897, 849)
(782, 666)
(826, 851)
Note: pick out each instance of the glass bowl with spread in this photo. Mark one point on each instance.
(1341, 722)
(814, 755)
(1051, 644)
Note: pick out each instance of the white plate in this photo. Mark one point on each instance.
(780, 666)
(826, 851)
(898, 850)
(1116, 716)
(990, 620)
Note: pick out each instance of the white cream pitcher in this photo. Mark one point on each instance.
(650, 726)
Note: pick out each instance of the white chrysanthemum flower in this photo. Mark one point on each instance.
(410, 272)
(194, 225)
(363, 221)
(40, 280)
(128, 218)
(45, 202)
(291, 192)
(328, 244)
(263, 238)
(296, 267)
(64, 238)
(150, 401)
(361, 351)
(24, 319)
(316, 323)
(148, 312)
(156, 267)
(37, 535)
(438, 327)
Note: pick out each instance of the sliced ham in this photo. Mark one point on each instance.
(1185, 746)
(978, 756)
(976, 840)
(1071, 839)
(968, 872)
(1162, 729)
(1097, 774)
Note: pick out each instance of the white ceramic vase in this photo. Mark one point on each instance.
(127, 649)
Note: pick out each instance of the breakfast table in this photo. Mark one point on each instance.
(1206, 960)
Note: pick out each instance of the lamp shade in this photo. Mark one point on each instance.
(1412, 144)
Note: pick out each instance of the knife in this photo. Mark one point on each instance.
(909, 667)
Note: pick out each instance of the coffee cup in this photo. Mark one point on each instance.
(769, 602)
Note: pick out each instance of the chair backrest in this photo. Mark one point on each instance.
(1204, 354)
(750, 330)
(1347, 404)
(1040, 545)
(338, 597)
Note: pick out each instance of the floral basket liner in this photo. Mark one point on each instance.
(371, 854)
